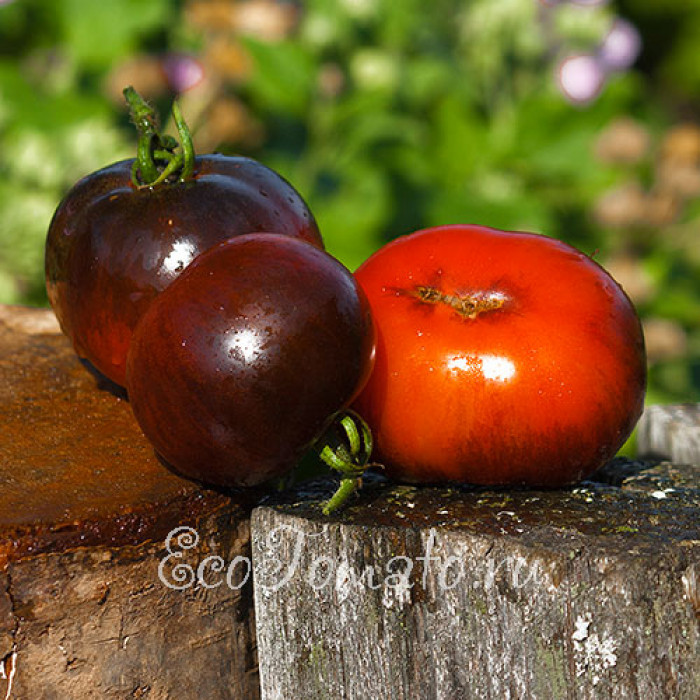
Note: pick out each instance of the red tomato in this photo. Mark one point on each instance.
(502, 358)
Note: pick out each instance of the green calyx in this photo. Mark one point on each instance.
(346, 448)
(156, 158)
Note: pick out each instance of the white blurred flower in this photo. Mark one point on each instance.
(581, 78)
(88, 145)
(319, 30)
(32, 158)
(360, 9)
(374, 69)
(268, 20)
(621, 46)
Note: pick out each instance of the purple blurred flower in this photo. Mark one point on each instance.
(182, 71)
(621, 46)
(581, 78)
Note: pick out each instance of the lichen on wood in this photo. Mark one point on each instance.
(463, 592)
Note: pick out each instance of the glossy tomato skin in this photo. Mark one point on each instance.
(112, 247)
(539, 388)
(240, 364)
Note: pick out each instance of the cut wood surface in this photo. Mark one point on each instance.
(464, 593)
(671, 432)
(85, 510)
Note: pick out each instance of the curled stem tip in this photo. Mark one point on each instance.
(346, 447)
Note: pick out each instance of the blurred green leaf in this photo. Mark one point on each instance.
(461, 140)
(98, 33)
(284, 76)
(680, 302)
(508, 210)
(353, 213)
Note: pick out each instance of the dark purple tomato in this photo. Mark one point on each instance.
(240, 364)
(112, 247)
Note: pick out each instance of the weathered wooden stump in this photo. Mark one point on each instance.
(91, 605)
(455, 593)
(118, 579)
(670, 432)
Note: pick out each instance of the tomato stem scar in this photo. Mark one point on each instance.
(466, 305)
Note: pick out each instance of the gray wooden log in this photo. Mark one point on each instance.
(90, 602)
(459, 593)
(670, 432)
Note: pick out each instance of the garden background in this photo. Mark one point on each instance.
(575, 118)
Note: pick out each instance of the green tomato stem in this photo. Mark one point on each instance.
(144, 117)
(346, 447)
(156, 162)
(347, 487)
(186, 142)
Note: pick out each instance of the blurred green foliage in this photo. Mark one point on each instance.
(388, 116)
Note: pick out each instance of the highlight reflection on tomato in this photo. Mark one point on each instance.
(502, 358)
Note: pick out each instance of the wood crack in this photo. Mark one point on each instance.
(8, 660)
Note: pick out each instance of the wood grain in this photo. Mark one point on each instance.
(457, 593)
(85, 509)
(670, 432)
